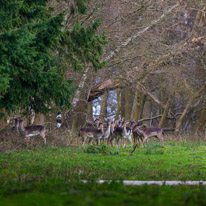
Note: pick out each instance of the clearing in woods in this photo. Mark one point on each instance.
(51, 175)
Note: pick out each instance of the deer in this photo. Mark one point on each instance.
(59, 120)
(127, 134)
(120, 123)
(92, 134)
(107, 130)
(94, 124)
(148, 132)
(33, 130)
(113, 127)
(16, 126)
(122, 132)
(136, 135)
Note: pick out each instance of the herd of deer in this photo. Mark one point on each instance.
(121, 131)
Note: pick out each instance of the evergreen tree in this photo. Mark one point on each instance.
(33, 47)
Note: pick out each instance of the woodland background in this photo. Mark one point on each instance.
(151, 67)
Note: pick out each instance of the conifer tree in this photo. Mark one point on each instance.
(33, 48)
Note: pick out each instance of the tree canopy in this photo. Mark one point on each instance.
(34, 46)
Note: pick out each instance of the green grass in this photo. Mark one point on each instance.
(50, 176)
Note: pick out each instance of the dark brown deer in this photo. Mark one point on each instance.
(33, 130)
(91, 134)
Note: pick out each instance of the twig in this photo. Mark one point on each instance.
(134, 148)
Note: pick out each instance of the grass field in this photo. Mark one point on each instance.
(51, 175)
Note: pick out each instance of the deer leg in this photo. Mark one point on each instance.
(98, 141)
(130, 139)
(44, 139)
(111, 141)
(90, 141)
(118, 143)
(108, 140)
(43, 136)
(28, 139)
(161, 139)
(145, 140)
(84, 141)
(124, 139)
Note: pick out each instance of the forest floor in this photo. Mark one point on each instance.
(48, 175)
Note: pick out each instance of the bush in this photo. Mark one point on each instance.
(100, 149)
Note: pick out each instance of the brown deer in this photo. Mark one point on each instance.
(121, 133)
(92, 134)
(16, 126)
(127, 134)
(33, 130)
(136, 135)
(107, 130)
(149, 132)
(95, 123)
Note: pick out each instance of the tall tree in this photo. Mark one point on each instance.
(34, 45)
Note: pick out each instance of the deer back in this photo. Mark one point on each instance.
(154, 131)
(91, 132)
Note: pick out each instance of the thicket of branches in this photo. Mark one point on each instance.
(156, 57)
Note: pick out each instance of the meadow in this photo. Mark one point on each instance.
(48, 175)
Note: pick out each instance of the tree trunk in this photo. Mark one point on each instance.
(90, 110)
(165, 113)
(134, 105)
(39, 119)
(195, 95)
(128, 106)
(80, 115)
(138, 107)
(123, 103)
(103, 106)
(201, 121)
(147, 111)
(3, 118)
(118, 104)
(143, 100)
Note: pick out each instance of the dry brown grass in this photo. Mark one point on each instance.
(9, 141)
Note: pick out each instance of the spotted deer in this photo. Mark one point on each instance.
(107, 130)
(33, 130)
(149, 132)
(16, 126)
(137, 137)
(91, 134)
(127, 134)
(121, 132)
